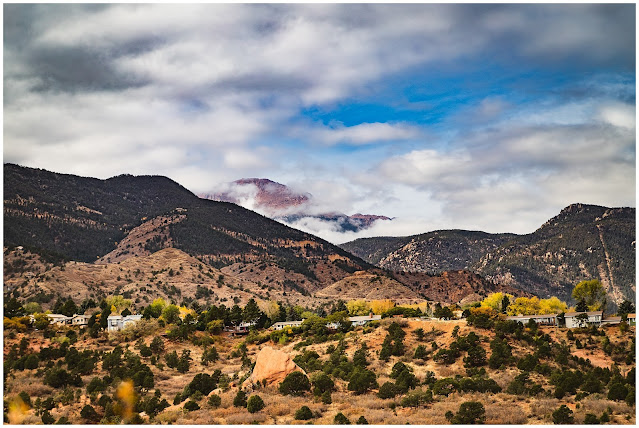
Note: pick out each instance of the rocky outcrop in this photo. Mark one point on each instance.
(272, 366)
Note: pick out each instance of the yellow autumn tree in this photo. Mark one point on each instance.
(118, 303)
(524, 306)
(272, 309)
(358, 307)
(380, 306)
(552, 306)
(496, 301)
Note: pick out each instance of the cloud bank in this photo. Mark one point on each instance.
(488, 117)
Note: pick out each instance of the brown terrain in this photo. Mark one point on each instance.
(501, 408)
(368, 286)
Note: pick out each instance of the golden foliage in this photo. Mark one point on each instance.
(358, 307)
(380, 306)
(272, 309)
(495, 300)
(118, 303)
(16, 323)
(17, 411)
(535, 306)
(127, 397)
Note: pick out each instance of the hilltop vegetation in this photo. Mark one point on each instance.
(176, 366)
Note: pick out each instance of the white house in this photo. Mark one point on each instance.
(118, 322)
(632, 320)
(284, 324)
(610, 320)
(59, 319)
(594, 318)
(547, 319)
(80, 320)
(361, 320)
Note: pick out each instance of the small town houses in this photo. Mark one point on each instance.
(119, 322)
(574, 319)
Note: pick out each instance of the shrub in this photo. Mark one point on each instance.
(47, 419)
(362, 380)
(202, 382)
(191, 405)
(240, 399)
(31, 362)
(617, 391)
(388, 390)
(340, 419)
(89, 414)
(96, 384)
(591, 419)
(295, 383)
(562, 416)
(322, 383)
(362, 421)
(417, 398)
(420, 352)
(470, 412)
(326, 398)
(215, 400)
(254, 404)
(303, 413)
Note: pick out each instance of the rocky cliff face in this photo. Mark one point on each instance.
(582, 242)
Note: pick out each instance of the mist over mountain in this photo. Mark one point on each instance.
(295, 208)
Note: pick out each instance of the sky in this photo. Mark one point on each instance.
(481, 117)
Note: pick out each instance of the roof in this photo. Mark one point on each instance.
(113, 317)
(288, 322)
(512, 317)
(365, 318)
(574, 314)
(57, 316)
(612, 319)
(632, 315)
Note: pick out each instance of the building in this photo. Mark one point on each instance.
(361, 320)
(80, 320)
(118, 322)
(632, 320)
(593, 318)
(284, 324)
(610, 320)
(59, 319)
(241, 328)
(547, 319)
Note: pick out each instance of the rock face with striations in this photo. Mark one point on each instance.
(272, 365)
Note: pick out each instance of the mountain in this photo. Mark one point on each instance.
(89, 220)
(282, 203)
(582, 242)
(148, 236)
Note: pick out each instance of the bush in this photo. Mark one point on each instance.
(240, 399)
(470, 412)
(202, 382)
(295, 383)
(254, 404)
(326, 398)
(617, 391)
(388, 390)
(322, 383)
(362, 380)
(340, 419)
(591, 419)
(191, 405)
(303, 414)
(362, 421)
(215, 400)
(562, 416)
(417, 398)
(89, 414)
(47, 419)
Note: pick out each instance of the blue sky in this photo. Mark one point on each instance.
(488, 117)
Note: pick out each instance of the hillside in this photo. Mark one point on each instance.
(363, 285)
(86, 219)
(582, 242)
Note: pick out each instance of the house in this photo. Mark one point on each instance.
(80, 320)
(241, 328)
(610, 320)
(284, 324)
(547, 319)
(632, 320)
(118, 322)
(59, 319)
(361, 320)
(593, 318)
